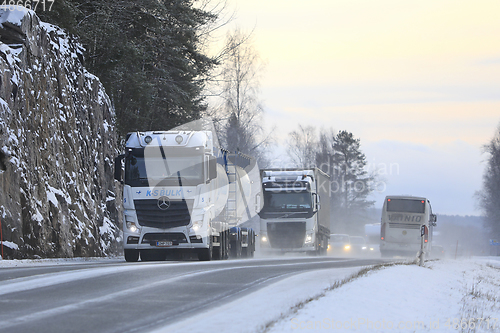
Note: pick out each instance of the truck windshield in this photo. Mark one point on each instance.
(287, 201)
(185, 166)
(406, 206)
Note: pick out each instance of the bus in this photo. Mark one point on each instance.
(404, 219)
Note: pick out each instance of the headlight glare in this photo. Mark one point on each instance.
(131, 226)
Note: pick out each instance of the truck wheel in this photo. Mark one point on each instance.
(225, 253)
(206, 254)
(324, 248)
(235, 249)
(131, 255)
(217, 251)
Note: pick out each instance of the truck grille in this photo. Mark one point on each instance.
(150, 215)
(286, 235)
(175, 238)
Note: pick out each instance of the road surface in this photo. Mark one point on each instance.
(115, 296)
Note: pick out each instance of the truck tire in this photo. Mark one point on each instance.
(131, 255)
(324, 246)
(251, 244)
(235, 251)
(217, 250)
(206, 254)
(225, 247)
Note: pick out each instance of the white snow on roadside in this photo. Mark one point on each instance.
(406, 299)
(250, 313)
(443, 296)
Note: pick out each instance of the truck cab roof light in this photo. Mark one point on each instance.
(148, 139)
(178, 139)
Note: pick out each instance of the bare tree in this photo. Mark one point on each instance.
(238, 116)
(301, 146)
(489, 196)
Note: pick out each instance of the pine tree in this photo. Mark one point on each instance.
(341, 157)
(147, 53)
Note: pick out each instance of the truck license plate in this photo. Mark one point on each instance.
(164, 243)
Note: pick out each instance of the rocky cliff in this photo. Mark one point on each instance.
(57, 142)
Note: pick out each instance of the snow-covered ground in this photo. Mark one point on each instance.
(442, 296)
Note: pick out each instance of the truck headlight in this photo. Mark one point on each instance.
(197, 225)
(132, 227)
(264, 239)
(309, 238)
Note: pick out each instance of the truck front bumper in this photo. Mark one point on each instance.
(175, 238)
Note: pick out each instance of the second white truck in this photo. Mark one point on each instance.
(296, 212)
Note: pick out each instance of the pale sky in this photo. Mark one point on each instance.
(417, 81)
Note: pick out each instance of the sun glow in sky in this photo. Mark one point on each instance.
(417, 81)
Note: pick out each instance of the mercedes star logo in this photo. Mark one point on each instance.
(163, 203)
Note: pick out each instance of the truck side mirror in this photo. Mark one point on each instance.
(212, 167)
(257, 203)
(316, 203)
(118, 168)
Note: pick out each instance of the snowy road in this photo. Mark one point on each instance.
(114, 296)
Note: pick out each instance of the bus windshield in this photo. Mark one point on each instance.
(406, 206)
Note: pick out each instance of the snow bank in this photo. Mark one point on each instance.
(436, 298)
(443, 296)
(251, 313)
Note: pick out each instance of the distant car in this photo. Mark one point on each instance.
(340, 243)
(358, 244)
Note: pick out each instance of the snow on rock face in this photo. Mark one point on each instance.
(57, 142)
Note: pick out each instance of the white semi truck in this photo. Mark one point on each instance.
(296, 212)
(182, 193)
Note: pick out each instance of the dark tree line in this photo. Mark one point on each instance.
(147, 53)
(489, 197)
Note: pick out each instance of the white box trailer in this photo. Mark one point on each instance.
(296, 212)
